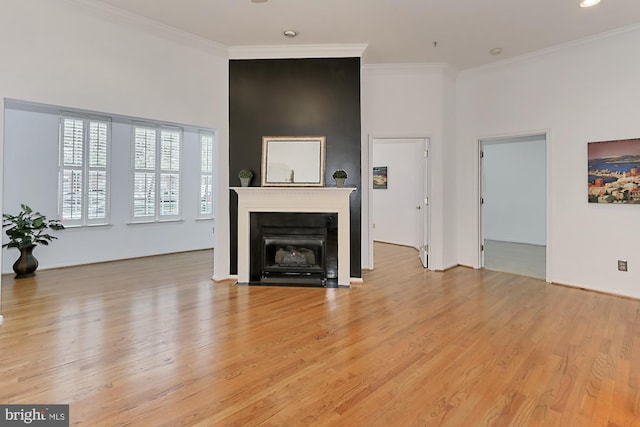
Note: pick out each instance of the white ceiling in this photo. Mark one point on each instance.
(396, 31)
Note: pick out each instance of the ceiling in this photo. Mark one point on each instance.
(457, 32)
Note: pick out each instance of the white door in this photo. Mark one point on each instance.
(400, 211)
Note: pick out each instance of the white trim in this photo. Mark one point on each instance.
(134, 21)
(446, 267)
(548, 192)
(605, 291)
(294, 199)
(297, 51)
(162, 221)
(85, 168)
(158, 172)
(434, 68)
(222, 279)
(369, 188)
(208, 133)
(37, 107)
(478, 204)
(552, 49)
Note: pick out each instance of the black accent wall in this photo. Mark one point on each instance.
(296, 97)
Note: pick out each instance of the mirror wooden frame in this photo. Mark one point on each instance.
(293, 161)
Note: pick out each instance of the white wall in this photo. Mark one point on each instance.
(401, 101)
(584, 92)
(515, 190)
(70, 53)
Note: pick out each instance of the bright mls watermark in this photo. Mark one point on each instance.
(34, 415)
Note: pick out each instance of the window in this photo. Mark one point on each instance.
(83, 195)
(156, 181)
(206, 175)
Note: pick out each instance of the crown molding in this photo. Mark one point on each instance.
(427, 67)
(297, 51)
(133, 21)
(550, 50)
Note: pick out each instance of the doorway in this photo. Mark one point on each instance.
(513, 204)
(399, 194)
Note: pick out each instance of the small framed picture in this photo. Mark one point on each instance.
(380, 177)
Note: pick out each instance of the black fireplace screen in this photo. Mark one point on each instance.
(293, 256)
(294, 248)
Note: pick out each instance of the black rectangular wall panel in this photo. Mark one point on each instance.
(296, 97)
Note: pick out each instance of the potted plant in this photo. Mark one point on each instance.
(245, 176)
(26, 230)
(340, 176)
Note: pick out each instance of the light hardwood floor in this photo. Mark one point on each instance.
(153, 342)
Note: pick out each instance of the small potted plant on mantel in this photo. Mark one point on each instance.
(26, 230)
(245, 176)
(340, 176)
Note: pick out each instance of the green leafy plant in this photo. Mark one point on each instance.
(339, 174)
(28, 228)
(245, 173)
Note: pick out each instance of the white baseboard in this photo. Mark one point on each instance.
(222, 279)
(447, 267)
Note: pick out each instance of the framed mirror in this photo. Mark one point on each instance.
(290, 161)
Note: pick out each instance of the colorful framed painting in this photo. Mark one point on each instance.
(380, 177)
(614, 171)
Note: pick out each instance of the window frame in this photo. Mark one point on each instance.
(85, 168)
(158, 172)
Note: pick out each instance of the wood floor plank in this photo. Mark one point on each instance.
(153, 341)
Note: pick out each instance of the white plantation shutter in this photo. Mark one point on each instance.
(170, 149)
(169, 194)
(144, 194)
(169, 178)
(145, 149)
(71, 195)
(72, 162)
(206, 175)
(144, 182)
(84, 180)
(97, 168)
(156, 193)
(97, 145)
(97, 195)
(73, 141)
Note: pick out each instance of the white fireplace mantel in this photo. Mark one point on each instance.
(290, 199)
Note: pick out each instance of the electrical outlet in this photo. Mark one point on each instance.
(622, 265)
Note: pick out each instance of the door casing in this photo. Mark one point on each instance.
(426, 181)
(479, 188)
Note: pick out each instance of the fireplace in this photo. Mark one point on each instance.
(315, 211)
(294, 248)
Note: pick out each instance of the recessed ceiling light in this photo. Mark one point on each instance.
(290, 33)
(496, 51)
(258, 1)
(589, 3)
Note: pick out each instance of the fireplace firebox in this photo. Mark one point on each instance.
(294, 248)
